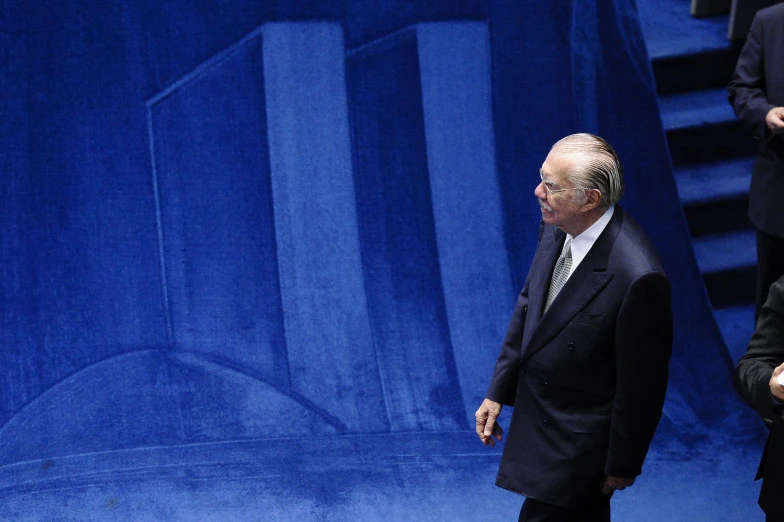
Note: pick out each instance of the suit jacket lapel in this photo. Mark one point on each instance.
(543, 265)
(585, 282)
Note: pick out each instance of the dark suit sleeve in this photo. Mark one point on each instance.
(765, 352)
(503, 386)
(747, 87)
(643, 343)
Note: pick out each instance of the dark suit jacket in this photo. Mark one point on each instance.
(756, 87)
(752, 378)
(587, 379)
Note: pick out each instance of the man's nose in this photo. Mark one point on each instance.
(540, 192)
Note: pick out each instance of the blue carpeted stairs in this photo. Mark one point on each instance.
(692, 62)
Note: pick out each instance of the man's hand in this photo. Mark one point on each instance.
(611, 484)
(775, 119)
(776, 389)
(486, 426)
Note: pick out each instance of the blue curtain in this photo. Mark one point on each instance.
(218, 215)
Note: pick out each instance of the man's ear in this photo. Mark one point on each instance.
(592, 200)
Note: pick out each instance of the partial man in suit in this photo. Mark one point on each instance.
(756, 379)
(756, 93)
(585, 358)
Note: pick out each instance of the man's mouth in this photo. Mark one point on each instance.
(544, 206)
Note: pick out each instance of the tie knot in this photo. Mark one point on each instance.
(567, 248)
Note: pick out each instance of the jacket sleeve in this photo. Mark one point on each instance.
(747, 88)
(503, 386)
(765, 352)
(643, 345)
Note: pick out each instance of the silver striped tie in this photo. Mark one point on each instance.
(560, 273)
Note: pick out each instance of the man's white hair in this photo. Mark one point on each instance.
(596, 166)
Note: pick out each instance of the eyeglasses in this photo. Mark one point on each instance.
(548, 185)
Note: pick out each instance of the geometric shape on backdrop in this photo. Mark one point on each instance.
(218, 248)
(154, 398)
(330, 350)
(398, 237)
(454, 61)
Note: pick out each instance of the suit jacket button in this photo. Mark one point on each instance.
(545, 383)
(571, 347)
(544, 422)
(525, 308)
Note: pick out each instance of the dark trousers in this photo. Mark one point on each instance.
(770, 266)
(536, 511)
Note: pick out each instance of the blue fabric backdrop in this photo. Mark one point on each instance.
(239, 222)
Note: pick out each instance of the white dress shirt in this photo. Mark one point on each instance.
(583, 242)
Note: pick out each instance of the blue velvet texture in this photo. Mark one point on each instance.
(230, 224)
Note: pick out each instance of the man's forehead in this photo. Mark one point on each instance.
(568, 152)
(557, 162)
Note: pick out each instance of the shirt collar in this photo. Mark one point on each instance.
(582, 244)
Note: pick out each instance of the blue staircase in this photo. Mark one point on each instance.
(692, 62)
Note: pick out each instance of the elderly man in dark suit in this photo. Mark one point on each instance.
(756, 92)
(585, 358)
(757, 380)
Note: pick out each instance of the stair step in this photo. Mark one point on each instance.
(726, 252)
(687, 53)
(736, 325)
(701, 126)
(715, 195)
(703, 183)
(668, 29)
(733, 288)
(709, 143)
(696, 70)
(728, 264)
(694, 109)
(728, 215)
